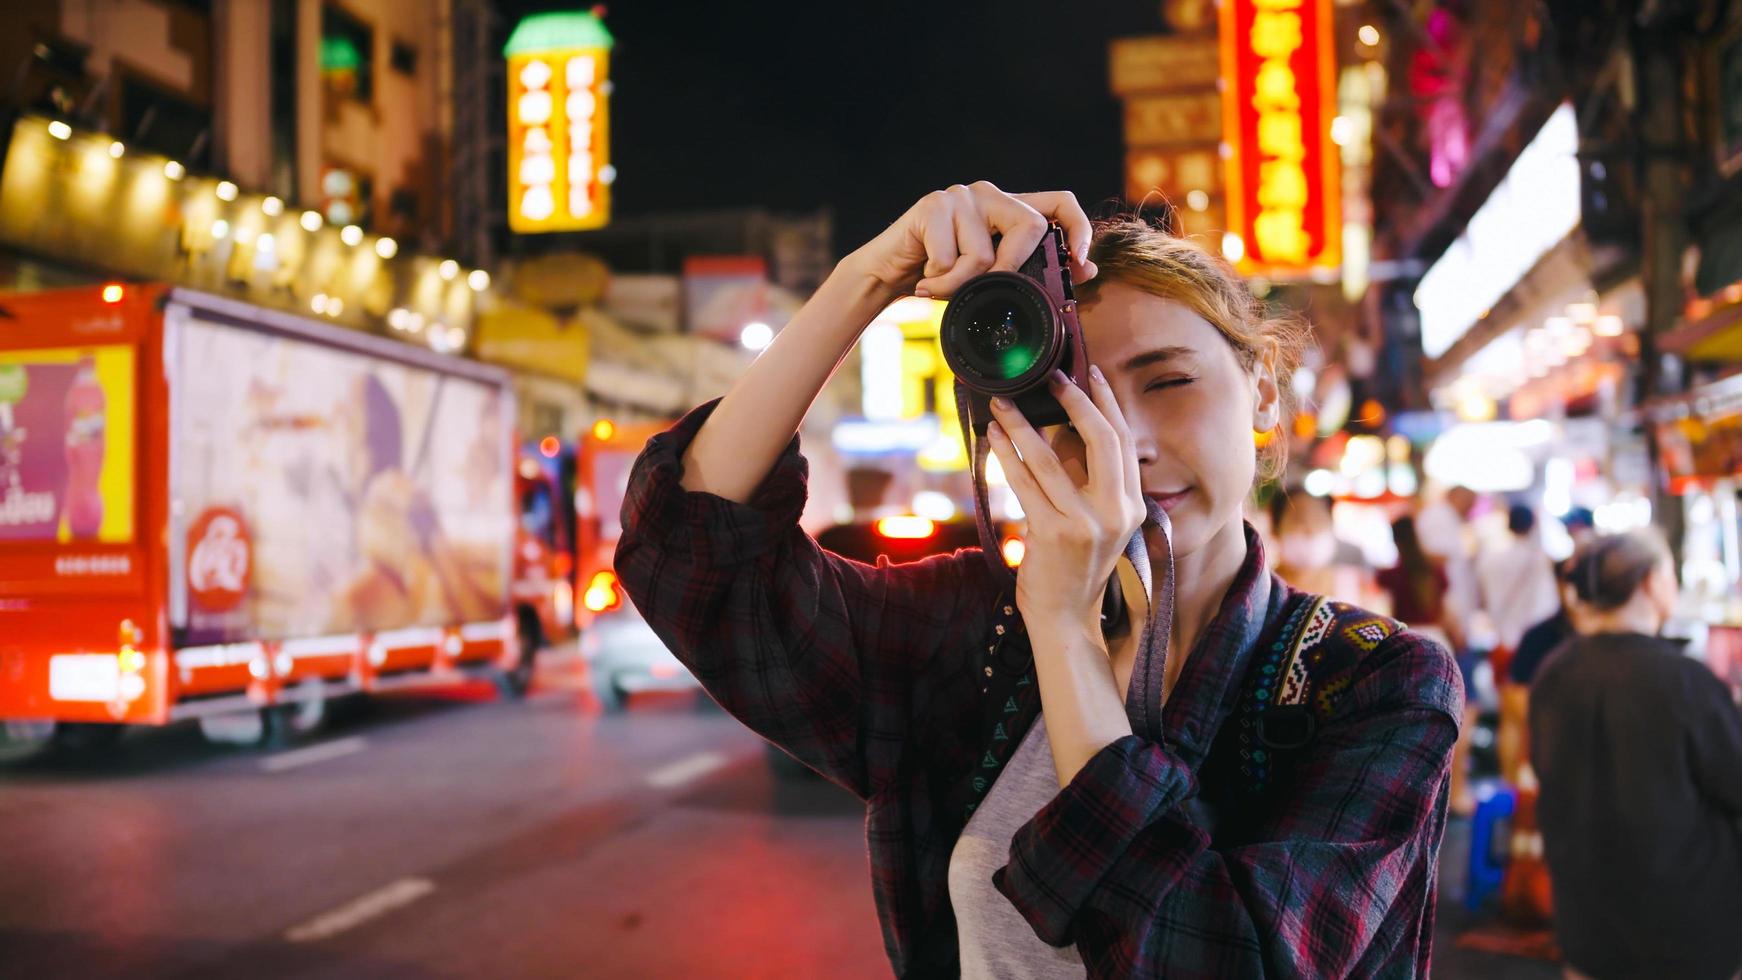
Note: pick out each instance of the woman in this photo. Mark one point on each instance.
(1096, 850)
(1417, 583)
(1638, 750)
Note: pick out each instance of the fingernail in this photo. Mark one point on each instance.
(1002, 404)
(995, 430)
(1095, 372)
(922, 293)
(1058, 379)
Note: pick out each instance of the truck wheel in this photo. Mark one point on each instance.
(517, 680)
(85, 737)
(277, 726)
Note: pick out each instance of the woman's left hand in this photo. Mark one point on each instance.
(1077, 528)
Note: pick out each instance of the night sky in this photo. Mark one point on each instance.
(859, 107)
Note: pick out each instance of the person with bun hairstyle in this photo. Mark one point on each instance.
(1638, 751)
(1093, 850)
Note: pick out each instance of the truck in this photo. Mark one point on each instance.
(211, 509)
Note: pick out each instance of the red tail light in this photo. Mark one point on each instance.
(906, 527)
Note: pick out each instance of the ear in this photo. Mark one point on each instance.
(1266, 391)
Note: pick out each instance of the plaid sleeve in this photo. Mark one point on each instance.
(814, 652)
(1339, 881)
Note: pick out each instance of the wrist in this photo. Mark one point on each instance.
(1062, 626)
(854, 275)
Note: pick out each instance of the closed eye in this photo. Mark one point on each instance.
(1159, 384)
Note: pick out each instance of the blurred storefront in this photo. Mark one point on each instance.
(293, 153)
(1516, 291)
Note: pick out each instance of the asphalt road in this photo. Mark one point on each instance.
(457, 836)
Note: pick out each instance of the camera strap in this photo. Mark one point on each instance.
(1143, 697)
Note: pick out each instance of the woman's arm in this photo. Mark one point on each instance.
(941, 242)
(1338, 880)
(744, 436)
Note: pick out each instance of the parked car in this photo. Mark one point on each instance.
(625, 657)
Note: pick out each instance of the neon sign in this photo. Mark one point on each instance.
(1283, 194)
(559, 175)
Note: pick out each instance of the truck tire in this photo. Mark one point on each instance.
(515, 681)
(85, 737)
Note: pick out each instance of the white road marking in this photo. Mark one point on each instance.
(315, 753)
(359, 910)
(685, 770)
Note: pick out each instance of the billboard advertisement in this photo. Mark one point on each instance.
(320, 491)
(67, 445)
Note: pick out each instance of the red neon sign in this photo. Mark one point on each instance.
(1283, 195)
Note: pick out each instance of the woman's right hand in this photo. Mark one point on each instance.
(945, 239)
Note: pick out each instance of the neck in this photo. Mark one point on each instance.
(1201, 581)
(1636, 616)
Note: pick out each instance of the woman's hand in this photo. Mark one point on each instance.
(1078, 525)
(945, 239)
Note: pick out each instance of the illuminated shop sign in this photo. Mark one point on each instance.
(1283, 195)
(1535, 206)
(559, 172)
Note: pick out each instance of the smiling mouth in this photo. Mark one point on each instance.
(1168, 501)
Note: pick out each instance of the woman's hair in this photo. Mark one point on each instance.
(1420, 569)
(1607, 571)
(1126, 249)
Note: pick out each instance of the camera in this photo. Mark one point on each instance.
(1004, 333)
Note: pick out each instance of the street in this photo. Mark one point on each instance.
(461, 836)
(453, 836)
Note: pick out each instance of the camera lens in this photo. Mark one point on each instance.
(997, 334)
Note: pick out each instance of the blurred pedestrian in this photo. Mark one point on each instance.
(1534, 648)
(1638, 749)
(1417, 583)
(1442, 527)
(1310, 556)
(1517, 585)
(1043, 832)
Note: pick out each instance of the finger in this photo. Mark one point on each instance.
(973, 244)
(1039, 459)
(1033, 499)
(1062, 207)
(939, 237)
(1020, 226)
(1100, 441)
(1102, 394)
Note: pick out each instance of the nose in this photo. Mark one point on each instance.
(1143, 440)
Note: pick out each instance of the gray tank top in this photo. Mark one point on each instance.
(997, 943)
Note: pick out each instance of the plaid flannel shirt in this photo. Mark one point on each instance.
(870, 675)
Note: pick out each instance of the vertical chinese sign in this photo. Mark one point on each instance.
(559, 171)
(1278, 65)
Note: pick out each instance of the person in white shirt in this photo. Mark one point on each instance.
(1517, 585)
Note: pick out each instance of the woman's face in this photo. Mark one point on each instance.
(1192, 408)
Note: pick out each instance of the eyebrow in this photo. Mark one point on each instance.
(1156, 356)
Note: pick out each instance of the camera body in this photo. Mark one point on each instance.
(1004, 333)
